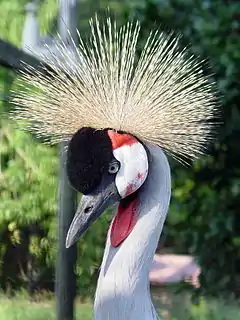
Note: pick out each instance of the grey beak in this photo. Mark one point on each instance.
(90, 208)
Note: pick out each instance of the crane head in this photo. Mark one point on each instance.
(105, 166)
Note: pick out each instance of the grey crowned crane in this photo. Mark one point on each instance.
(120, 113)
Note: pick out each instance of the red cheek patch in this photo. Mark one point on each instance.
(124, 222)
(120, 139)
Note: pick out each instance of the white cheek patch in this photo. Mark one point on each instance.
(134, 168)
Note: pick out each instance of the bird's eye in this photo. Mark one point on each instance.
(113, 167)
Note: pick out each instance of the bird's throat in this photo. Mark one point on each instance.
(124, 222)
(123, 285)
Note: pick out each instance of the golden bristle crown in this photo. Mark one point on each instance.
(160, 96)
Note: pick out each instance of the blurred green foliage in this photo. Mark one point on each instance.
(205, 196)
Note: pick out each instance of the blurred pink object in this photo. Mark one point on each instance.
(170, 268)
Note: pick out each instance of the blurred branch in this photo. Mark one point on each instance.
(14, 58)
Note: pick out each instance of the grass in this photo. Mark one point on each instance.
(175, 307)
(21, 309)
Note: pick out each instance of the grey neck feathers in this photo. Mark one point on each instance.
(123, 286)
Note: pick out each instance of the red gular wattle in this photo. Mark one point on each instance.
(124, 222)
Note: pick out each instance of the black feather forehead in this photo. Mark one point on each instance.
(88, 156)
